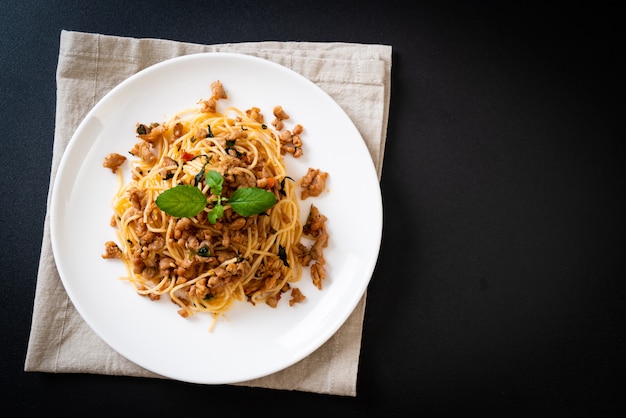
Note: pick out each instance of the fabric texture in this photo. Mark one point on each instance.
(356, 76)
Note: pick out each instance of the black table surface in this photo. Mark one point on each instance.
(498, 285)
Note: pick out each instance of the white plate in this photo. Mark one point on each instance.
(250, 342)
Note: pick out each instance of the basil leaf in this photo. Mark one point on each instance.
(215, 181)
(251, 201)
(200, 174)
(282, 254)
(182, 201)
(215, 213)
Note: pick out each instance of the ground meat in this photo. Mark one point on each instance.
(313, 183)
(237, 224)
(137, 198)
(178, 130)
(137, 262)
(296, 296)
(151, 133)
(143, 151)
(291, 143)
(169, 162)
(272, 301)
(199, 288)
(113, 161)
(237, 177)
(226, 163)
(255, 113)
(278, 124)
(266, 182)
(168, 167)
(182, 225)
(270, 281)
(315, 223)
(166, 264)
(156, 244)
(111, 250)
(217, 91)
(317, 249)
(302, 254)
(208, 106)
(280, 115)
(318, 274)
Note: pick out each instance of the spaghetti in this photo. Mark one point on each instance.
(207, 261)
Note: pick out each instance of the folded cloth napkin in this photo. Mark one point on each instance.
(357, 76)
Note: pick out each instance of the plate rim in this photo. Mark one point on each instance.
(56, 195)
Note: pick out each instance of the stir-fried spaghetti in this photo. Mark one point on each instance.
(204, 262)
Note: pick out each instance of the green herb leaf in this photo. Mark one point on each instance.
(215, 181)
(182, 201)
(282, 254)
(204, 251)
(215, 213)
(200, 174)
(251, 201)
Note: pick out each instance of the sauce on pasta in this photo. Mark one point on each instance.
(204, 263)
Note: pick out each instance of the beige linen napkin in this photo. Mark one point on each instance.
(357, 76)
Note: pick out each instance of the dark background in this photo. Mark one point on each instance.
(498, 287)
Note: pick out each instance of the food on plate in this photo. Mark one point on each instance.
(211, 216)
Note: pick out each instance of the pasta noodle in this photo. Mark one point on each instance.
(207, 261)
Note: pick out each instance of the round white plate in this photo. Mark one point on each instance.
(251, 341)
